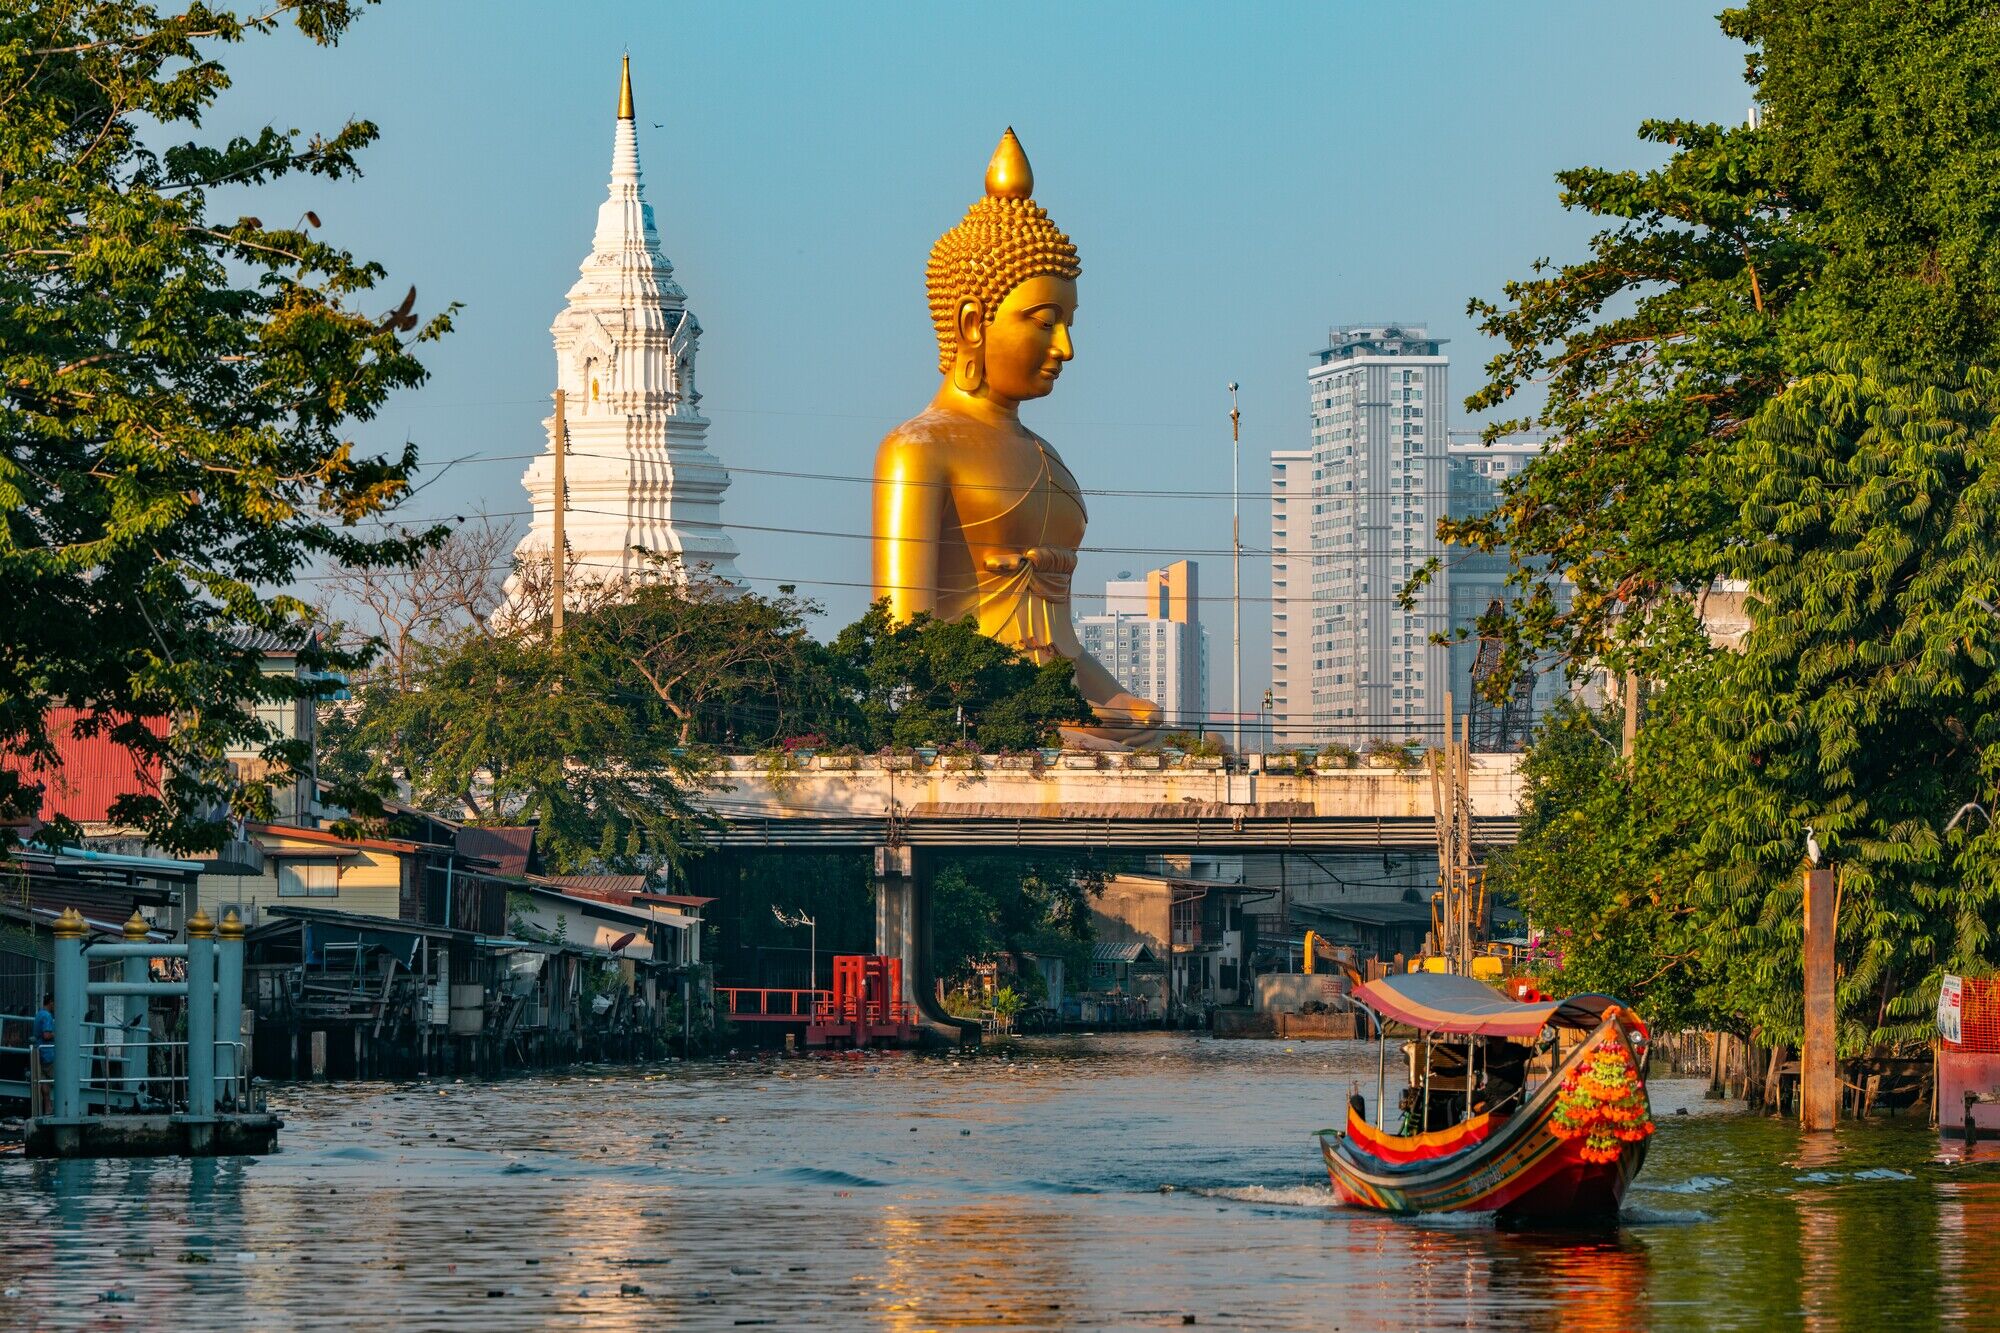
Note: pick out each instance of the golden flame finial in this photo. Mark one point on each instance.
(1008, 175)
(625, 89)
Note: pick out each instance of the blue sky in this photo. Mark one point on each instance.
(1238, 177)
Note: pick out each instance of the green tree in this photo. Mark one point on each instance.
(1603, 866)
(511, 728)
(729, 667)
(913, 681)
(177, 392)
(984, 906)
(1804, 401)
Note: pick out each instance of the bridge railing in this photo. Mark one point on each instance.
(765, 1004)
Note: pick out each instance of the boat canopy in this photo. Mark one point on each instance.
(1439, 1002)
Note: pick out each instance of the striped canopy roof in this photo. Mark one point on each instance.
(1438, 1002)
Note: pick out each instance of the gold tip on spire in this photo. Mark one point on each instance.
(625, 90)
(1008, 175)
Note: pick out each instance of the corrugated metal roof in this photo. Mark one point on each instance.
(271, 643)
(604, 888)
(511, 847)
(90, 773)
(1130, 952)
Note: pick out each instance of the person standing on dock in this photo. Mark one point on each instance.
(43, 1039)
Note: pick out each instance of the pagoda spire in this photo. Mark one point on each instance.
(639, 472)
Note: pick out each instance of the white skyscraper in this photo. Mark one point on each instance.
(1150, 638)
(1379, 482)
(1291, 595)
(639, 472)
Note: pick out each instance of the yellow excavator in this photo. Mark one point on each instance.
(1324, 956)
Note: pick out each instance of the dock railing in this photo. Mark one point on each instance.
(113, 1064)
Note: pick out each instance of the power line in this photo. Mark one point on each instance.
(805, 581)
(858, 479)
(1288, 554)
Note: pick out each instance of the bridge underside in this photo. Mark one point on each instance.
(1223, 828)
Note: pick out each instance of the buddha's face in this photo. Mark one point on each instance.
(1028, 340)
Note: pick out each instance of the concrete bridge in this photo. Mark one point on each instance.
(910, 810)
(1074, 803)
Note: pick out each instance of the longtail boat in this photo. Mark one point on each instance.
(1473, 1135)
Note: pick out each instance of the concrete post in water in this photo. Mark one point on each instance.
(71, 978)
(228, 999)
(138, 1011)
(1819, 1084)
(201, 1015)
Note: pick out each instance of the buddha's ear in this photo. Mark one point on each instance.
(971, 322)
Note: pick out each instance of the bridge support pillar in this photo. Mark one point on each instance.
(902, 931)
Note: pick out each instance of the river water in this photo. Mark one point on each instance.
(1141, 1181)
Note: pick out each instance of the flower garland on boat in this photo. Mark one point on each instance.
(1604, 1101)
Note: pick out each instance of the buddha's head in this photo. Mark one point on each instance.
(1003, 288)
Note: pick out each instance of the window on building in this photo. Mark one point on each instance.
(308, 879)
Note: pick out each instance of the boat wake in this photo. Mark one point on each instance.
(1634, 1215)
(1694, 1185)
(1273, 1196)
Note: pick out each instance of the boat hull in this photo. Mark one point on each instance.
(1519, 1167)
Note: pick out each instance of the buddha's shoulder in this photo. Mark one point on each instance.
(926, 440)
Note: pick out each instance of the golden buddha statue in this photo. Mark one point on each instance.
(974, 513)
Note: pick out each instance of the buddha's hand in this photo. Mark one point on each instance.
(1041, 559)
(1129, 710)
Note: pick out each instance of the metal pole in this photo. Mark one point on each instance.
(1425, 1127)
(1381, 1071)
(229, 1001)
(138, 1010)
(201, 1015)
(1236, 574)
(558, 549)
(71, 975)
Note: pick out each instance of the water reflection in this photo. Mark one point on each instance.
(1123, 1182)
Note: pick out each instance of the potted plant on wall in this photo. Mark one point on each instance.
(1201, 751)
(1335, 757)
(897, 758)
(839, 759)
(1379, 753)
(961, 757)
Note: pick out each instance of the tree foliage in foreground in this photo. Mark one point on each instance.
(1779, 368)
(175, 390)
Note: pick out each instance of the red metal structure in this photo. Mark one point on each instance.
(756, 1004)
(866, 1004)
(1968, 1071)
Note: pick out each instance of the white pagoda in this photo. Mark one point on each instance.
(639, 472)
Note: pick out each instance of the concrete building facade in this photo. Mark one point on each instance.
(1291, 596)
(1151, 638)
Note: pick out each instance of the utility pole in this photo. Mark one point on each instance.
(1236, 546)
(1457, 919)
(557, 551)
